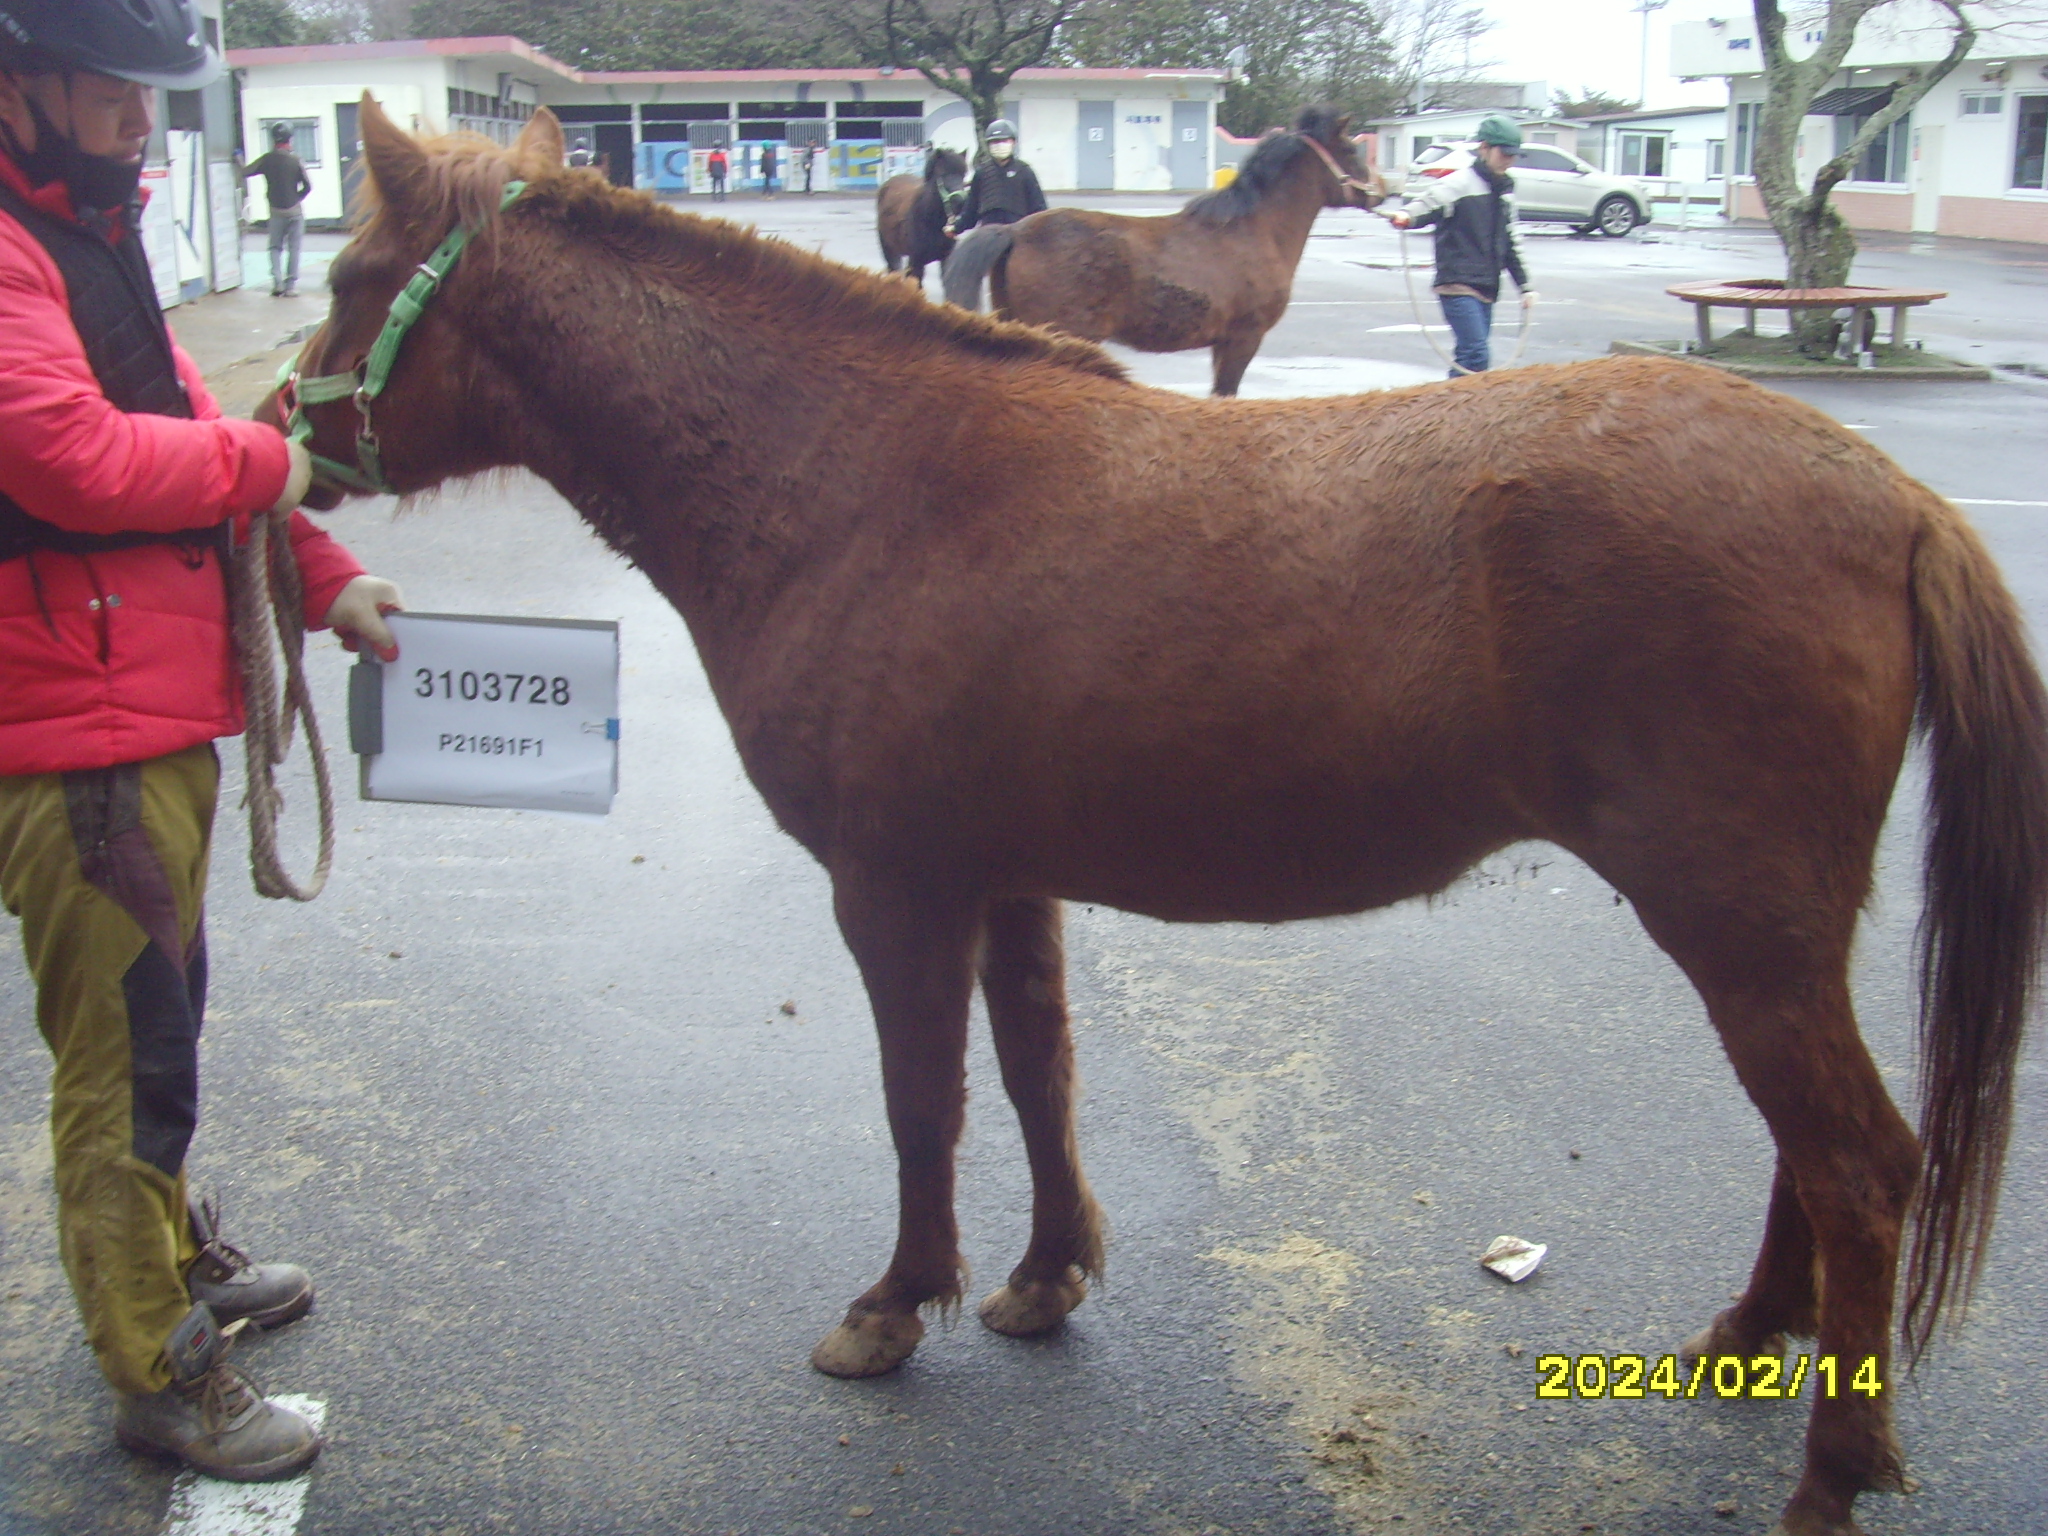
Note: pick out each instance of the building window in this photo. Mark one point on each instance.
(1981, 104)
(1644, 154)
(1746, 115)
(1717, 158)
(1889, 152)
(2033, 137)
(1422, 142)
(305, 136)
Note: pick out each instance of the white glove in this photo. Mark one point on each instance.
(358, 615)
(298, 477)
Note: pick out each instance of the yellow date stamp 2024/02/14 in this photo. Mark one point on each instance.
(1583, 1377)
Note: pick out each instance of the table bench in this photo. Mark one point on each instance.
(1755, 293)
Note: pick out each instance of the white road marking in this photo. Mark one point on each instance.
(1979, 501)
(204, 1506)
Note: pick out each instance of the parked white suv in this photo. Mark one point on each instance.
(1552, 187)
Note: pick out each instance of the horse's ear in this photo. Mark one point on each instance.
(540, 142)
(396, 162)
(1344, 126)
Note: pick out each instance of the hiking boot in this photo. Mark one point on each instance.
(236, 1287)
(212, 1417)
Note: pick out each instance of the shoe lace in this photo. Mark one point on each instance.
(227, 1391)
(217, 1251)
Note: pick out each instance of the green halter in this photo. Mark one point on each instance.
(365, 382)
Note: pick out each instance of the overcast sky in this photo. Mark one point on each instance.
(1598, 43)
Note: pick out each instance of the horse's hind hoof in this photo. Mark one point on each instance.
(1034, 1307)
(1719, 1338)
(868, 1344)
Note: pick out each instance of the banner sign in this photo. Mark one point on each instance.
(520, 714)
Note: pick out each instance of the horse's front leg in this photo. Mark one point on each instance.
(1023, 976)
(916, 954)
(1233, 354)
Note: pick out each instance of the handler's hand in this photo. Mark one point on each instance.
(358, 615)
(298, 478)
(1528, 299)
(1398, 220)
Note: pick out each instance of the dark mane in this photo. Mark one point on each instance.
(1264, 166)
(464, 177)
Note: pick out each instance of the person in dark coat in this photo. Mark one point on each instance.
(1004, 188)
(767, 170)
(1476, 240)
(286, 184)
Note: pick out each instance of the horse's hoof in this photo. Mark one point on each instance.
(868, 1344)
(1037, 1306)
(1718, 1339)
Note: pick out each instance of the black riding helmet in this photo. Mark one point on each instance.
(152, 42)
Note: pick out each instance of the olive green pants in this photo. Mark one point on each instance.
(107, 872)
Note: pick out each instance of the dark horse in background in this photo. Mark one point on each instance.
(911, 214)
(1220, 662)
(1217, 274)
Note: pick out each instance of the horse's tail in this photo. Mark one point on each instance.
(1985, 717)
(973, 258)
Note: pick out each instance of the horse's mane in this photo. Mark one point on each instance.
(937, 159)
(1263, 167)
(464, 176)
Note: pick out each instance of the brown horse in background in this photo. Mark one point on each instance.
(1222, 662)
(911, 214)
(1217, 274)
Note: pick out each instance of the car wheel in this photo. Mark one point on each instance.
(1616, 216)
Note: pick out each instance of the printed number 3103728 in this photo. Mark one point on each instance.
(491, 687)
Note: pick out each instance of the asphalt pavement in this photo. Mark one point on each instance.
(579, 1124)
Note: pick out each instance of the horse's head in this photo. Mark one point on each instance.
(1353, 184)
(946, 170)
(386, 352)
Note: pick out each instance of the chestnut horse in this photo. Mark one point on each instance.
(1221, 662)
(911, 214)
(1217, 274)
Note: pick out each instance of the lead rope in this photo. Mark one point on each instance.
(1415, 308)
(268, 620)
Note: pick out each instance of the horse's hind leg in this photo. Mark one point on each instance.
(916, 955)
(1023, 976)
(1774, 974)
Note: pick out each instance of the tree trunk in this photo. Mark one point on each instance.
(1819, 250)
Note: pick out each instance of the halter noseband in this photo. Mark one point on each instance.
(1348, 183)
(365, 382)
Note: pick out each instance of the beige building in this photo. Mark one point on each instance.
(1966, 161)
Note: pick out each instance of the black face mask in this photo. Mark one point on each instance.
(94, 181)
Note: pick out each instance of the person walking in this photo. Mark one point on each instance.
(121, 486)
(717, 164)
(767, 170)
(810, 166)
(1004, 189)
(286, 185)
(1477, 239)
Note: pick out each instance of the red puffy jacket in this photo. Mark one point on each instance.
(119, 656)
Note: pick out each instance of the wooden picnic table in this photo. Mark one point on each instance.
(1755, 293)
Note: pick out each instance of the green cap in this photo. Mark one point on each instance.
(1496, 129)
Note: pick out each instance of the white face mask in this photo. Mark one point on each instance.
(1002, 149)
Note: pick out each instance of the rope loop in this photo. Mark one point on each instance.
(267, 605)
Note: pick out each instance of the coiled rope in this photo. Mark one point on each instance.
(269, 621)
(1415, 307)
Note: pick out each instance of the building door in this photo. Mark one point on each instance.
(348, 156)
(1188, 155)
(1926, 180)
(1095, 147)
(614, 145)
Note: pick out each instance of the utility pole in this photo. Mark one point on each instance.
(1643, 8)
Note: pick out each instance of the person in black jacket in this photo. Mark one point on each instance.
(1004, 188)
(286, 183)
(1476, 240)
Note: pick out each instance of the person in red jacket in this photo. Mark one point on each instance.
(120, 486)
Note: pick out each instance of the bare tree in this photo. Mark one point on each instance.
(1819, 246)
(1432, 40)
(971, 48)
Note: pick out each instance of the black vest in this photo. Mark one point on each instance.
(127, 345)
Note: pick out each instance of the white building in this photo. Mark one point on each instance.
(1679, 153)
(1132, 130)
(1400, 138)
(1966, 161)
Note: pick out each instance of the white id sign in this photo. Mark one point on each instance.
(521, 714)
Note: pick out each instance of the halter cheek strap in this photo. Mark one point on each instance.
(365, 382)
(1348, 183)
